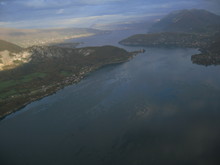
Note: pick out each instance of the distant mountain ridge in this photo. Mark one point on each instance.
(190, 21)
(186, 28)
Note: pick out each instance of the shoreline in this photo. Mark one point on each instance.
(50, 91)
(71, 80)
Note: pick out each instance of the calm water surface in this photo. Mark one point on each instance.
(158, 108)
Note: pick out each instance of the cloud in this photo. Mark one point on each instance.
(60, 11)
(2, 3)
(93, 2)
(68, 22)
(213, 5)
(57, 10)
(87, 21)
(43, 3)
(61, 3)
(214, 1)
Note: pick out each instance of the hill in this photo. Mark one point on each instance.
(190, 21)
(167, 39)
(11, 55)
(210, 54)
(4, 45)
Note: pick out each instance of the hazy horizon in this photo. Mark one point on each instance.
(90, 13)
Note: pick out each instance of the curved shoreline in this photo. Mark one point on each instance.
(71, 80)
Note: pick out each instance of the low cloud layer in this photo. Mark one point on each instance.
(75, 13)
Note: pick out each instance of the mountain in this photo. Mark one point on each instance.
(186, 28)
(190, 21)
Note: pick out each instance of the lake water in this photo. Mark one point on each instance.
(158, 108)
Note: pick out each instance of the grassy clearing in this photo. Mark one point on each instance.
(4, 85)
(19, 62)
(7, 84)
(4, 95)
(66, 73)
(33, 76)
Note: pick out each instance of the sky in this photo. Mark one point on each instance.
(90, 13)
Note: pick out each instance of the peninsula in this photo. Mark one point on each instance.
(35, 72)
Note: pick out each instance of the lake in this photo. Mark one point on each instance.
(158, 108)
